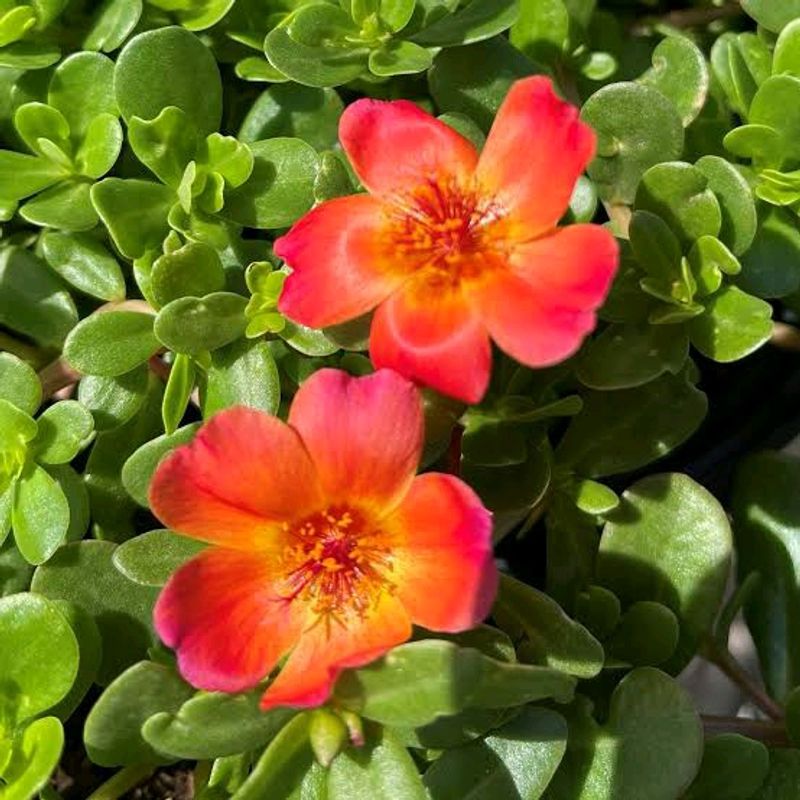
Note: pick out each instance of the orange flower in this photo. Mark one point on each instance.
(326, 547)
(454, 248)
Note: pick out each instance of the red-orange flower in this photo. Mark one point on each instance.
(326, 547)
(453, 247)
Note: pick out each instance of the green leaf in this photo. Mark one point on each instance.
(317, 45)
(113, 508)
(139, 468)
(178, 391)
(82, 88)
(291, 110)
(36, 122)
(193, 270)
(39, 657)
(29, 55)
(399, 58)
(786, 59)
(32, 300)
(554, 639)
(74, 490)
(770, 268)
(517, 760)
(280, 771)
(396, 14)
(112, 733)
(84, 263)
(381, 770)
(626, 356)
(65, 428)
(193, 325)
(773, 16)
(89, 646)
(15, 571)
(135, 213)
(669, 541)
(681, 74)
(40, 515)
(22, 175)
(709, 260)
(599, 610)
(679, 194)
(281, 187)
(111, 343)
(150, 559)
(733, 768)
(84, 574)
(784, 773)
(113, 401)
(621, 431)
(651, 745)
(416, 683)
(199, 17)
(739, 219)
(637, 127)
(646, 636)
(242, 373)
(478, 20)
(34, 757)
(460, 83)
(19, 384)
(766, 519)
(734, 325)
(112, 24)
(166, 144)
(542, 30)
(213, 724)
(194, 83)
(67, 206)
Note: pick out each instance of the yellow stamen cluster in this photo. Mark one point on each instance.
(337, 563)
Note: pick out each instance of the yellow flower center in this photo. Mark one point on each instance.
(451, 231)
(337, 562)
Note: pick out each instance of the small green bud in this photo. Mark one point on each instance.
(328, 734)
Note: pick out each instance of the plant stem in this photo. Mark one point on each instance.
(719, 656)
(688, 18)
(785, 337)
(121, 783)
(766, 731)
(56, 376)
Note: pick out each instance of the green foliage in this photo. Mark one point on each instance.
(152, 151)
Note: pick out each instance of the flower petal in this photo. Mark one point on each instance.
(394, 146)
(574, 266)
(526, 323)
(434, 338)
(364, 435)
(244, 472)
(445, 571)
(336, 253)
(308, 676)
(536, 150)
(222, 615)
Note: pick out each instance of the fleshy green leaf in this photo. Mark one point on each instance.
(112, 732)
(669, 541)
(193, 85)
(65, 428)
(517, 760)
(39, 657)
(84, 574)
(150, 559)
(111, 343)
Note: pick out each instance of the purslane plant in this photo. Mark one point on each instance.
(262, 262)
